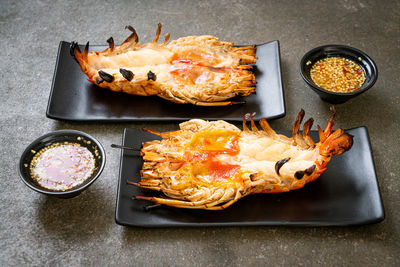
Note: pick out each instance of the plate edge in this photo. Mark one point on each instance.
(382, 214)
(54, 79)
(116, 217)
(279, 63)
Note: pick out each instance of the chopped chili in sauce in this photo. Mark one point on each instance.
(60, 167)
(337, 74)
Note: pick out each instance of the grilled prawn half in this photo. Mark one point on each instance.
(211, 165)
(200, 70)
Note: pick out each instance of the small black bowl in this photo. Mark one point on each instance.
(355, 55)
(61, 136)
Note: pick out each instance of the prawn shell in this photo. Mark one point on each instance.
(198, 70)
(213, 164)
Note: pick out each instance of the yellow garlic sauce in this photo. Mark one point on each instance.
(337, 74)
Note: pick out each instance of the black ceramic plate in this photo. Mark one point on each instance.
(73, 98)
(346, 194)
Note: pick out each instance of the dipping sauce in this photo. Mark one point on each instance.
(60, 167)
(337, 74)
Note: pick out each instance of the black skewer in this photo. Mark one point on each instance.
(150, 207)
(237, 103)
(125, 147)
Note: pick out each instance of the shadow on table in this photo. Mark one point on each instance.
(76, 218)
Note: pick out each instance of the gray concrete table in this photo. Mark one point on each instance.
(42, 231)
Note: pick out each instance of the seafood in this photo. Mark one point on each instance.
(211, 165)
(200, 70)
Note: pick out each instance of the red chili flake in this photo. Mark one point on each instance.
(359, 72)
(345, 71)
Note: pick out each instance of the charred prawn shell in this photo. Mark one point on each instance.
(211, 165)
(198, 70)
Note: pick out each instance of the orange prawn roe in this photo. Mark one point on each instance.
(337, 74)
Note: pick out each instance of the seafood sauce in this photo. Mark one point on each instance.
(337, 74)
(60, 167)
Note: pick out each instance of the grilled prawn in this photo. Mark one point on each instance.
(211, 165)
(200, 70)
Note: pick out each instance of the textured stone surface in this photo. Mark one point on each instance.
(37, 230)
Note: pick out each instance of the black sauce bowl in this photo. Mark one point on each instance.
(353, 54)
(62, 136)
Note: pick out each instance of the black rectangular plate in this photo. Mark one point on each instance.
(346, 194)
(73, 98)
